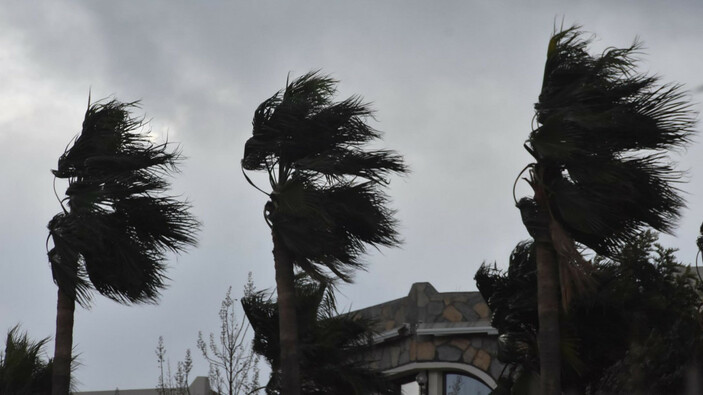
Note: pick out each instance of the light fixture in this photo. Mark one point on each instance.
(421, 380)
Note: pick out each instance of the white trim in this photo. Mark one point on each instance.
(464, 330)
(385, 336)
(457, 330)
(443, 366)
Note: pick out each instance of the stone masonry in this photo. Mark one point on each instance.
(428, 326)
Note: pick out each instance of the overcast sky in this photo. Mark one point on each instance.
(453, 83)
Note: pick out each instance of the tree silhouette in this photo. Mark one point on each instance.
(116, 226)
(325, 206)
(639, 331)
(22, 368)
(233, 364)
(600, 173)
(329, 342)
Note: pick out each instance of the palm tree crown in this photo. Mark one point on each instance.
(600, 147)
(601, 173)
(325, 204)
(114, 235)
(22, 368)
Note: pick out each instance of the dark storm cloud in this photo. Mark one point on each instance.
(453, 85)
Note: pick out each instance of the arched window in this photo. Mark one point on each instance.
(441, 378)
(461, 384)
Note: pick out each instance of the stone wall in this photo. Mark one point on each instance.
(428, 326)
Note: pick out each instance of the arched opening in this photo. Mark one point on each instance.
(442, 378)
(461, 384)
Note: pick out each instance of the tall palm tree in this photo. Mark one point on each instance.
(638, 331)
(328, 342)
(600, 173)
(116, 226)
(325, 206)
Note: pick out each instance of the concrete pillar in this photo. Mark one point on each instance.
(435, 382)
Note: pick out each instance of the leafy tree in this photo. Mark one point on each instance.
(327, 341)
(638, 331)
(233, 363)
(600, 174)
(117, 227)
(325, 206)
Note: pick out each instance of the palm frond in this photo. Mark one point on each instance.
(326, 201)
(67, 268)
(605, 203)
(333, 226)
(329, 341)
(120, 226)
(22, 368)
(604, 132)
(303, 129)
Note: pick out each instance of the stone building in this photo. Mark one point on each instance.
(435, 343)
(428, 343)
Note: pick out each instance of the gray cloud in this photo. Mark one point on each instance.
(453, 84)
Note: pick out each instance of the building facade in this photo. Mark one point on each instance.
(435, 343)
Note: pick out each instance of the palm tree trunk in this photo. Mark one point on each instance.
(287, 318)
(535, 216)
(61, 376)
(548, 315)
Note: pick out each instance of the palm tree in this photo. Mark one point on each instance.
(328, 342)
(22, 369)
(600, 173)
(325, 206)
(638, 331)
(117, 228)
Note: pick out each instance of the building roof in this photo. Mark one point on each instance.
(436, 332)
(425, 311)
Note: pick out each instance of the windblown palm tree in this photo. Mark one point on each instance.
(600, 173)
(637, 332)
(117, 228)
(325, 203)
(328, 342)
(22, 368)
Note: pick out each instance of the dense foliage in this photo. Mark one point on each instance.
(23, 369)
(327, 341)
(639, 331)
